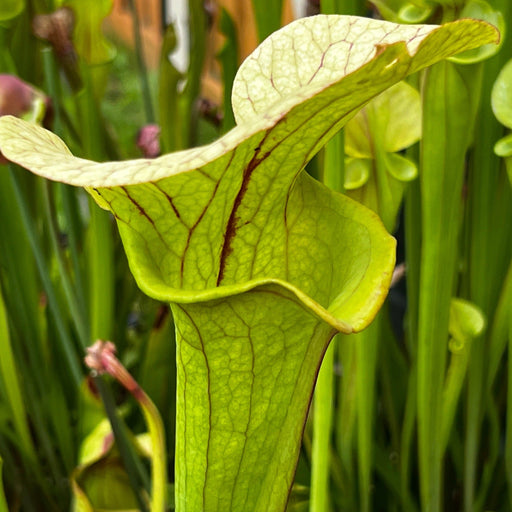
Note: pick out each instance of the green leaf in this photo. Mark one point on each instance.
(401, 168)
(261, 263)
(481, 10)
(466, 322)
(501, 98)
(390, 122)
(357, 172)
(11, 8)
(412, 13)
(399, 116)
(503, 147)
(395, 115)
(3, 501)
(88, 36)
(389, 8)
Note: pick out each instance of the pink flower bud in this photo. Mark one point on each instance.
(16, 96)
(148, 140)
(20, 99)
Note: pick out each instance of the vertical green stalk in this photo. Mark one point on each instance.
(3, 502)
(453, 386)
(268, 16)
(366, 349)
(101, 261)
(197, 32)
(334, 163)
(412, 235)
(52, 84)
(99, 236)
(412, 229)
(168, 98)
(499, 331)
(508, 438)
(228, 57)
(74, 231)
(408, 424)
(412, 226)
(178, 107)
(322, 426)
(346, 412)
(445, 138)
(141, 66)
(351, 7)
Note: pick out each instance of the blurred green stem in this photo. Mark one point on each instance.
(74, 230)
(453, 386)
(322, 426)
(367, 350)
(141, 65)
(499, 330)
(3, 502)
(51, 75)
(100, 234)
(101, 261)
(346, 413)
(351, 7)
(508, 438)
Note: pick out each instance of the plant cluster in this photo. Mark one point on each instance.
(269, 232)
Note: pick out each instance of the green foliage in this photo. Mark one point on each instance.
(262, 266)
(11, 9)
(376, 175)
(3, 501)
(502, 108)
